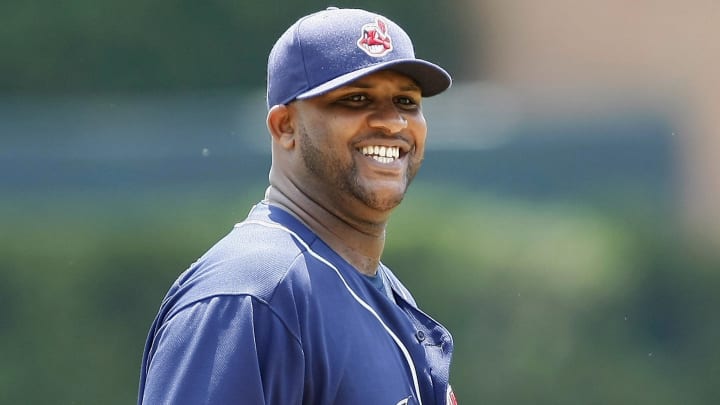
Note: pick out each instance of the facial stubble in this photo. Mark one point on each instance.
(344, 177)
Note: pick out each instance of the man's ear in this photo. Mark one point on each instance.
(281, 126)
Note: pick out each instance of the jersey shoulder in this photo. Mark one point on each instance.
(251, 260)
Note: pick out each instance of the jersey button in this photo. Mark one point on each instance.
(420, 335)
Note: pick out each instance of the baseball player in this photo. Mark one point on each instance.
(294, 306)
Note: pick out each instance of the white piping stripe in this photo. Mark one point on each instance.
(364, 304)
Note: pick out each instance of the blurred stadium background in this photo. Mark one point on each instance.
(565, 225)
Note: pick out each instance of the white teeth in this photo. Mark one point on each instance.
(382, 154)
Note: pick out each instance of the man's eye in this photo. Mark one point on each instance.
(356, 98)
(405, 101)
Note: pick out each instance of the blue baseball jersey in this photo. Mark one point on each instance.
(272, 315)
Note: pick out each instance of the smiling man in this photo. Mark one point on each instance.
(294, 305)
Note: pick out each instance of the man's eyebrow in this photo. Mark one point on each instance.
(411, 87)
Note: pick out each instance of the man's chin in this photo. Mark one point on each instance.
(384, 200)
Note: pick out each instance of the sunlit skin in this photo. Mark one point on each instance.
(321, 175)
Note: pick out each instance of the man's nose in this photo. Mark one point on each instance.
(388, 119)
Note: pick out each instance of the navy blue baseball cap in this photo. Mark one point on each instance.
(333, 47)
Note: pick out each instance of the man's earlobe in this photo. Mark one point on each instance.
(281, 127)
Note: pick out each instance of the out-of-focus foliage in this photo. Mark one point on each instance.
(82, 275)
(554, 303)
(133, 45)
(549, 303)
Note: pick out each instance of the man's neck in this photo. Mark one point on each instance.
(360, 243)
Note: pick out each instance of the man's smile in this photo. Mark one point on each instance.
(381, 153)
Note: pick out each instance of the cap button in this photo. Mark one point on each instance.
(332, 8)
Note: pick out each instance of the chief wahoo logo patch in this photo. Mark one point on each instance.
(375, 39)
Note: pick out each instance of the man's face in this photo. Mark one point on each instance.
(364, 141)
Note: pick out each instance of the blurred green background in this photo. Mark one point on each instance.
(133, 138)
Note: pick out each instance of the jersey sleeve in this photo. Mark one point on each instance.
(224, 350)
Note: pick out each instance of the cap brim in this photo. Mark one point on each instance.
(431, 78)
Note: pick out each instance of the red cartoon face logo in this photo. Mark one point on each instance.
(375, 39)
